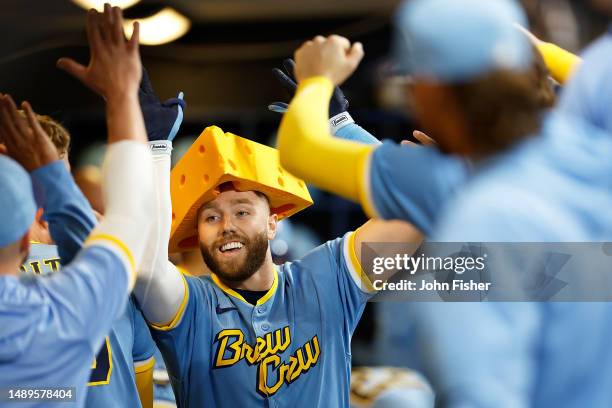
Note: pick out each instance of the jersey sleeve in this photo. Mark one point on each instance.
(411, 183)
(144, 348)
(356, 133)
(340, 280)
(89, 294)
(68, 212)
(176, 339)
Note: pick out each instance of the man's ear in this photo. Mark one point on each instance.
(272, 226)
(3, 149)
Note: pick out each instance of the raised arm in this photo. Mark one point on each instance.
(341, 123)
(162, 291)
(306, 146)
(97, 282)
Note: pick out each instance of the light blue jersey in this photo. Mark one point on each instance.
(550, 189)
(413, 183)
(588, 94)
(291, 349)
(531, 347)
(47, 338)
(128, 346)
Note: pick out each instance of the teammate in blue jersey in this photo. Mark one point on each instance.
(514, 197)
(122, 372)
(53, 325)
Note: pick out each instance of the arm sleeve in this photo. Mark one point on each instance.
(412, 184)
(161, 290)
(308, 150)
(68, 212)
(128, 193)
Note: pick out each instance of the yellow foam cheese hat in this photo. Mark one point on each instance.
(216, 158)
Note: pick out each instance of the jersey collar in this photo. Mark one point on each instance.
(229, 291)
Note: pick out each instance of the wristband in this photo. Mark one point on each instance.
(159, 147)
(339, 121)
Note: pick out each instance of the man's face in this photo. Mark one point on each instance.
(234, 230)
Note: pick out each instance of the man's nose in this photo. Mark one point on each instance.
(228, 226)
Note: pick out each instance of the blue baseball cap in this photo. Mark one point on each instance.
(458, 40)
(17, 205)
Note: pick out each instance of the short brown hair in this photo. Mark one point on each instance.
(56, 132)
(504, 106)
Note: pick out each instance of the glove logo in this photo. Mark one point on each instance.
(340, 120)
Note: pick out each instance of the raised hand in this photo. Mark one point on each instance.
(24, 139)
(114, 71)
(423, 139)
(333, 57)
(162, 119)
(337, 104)
(114, 66)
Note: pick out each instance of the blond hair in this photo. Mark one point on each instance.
(56, 132)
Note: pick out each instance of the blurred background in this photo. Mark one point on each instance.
(220, 53)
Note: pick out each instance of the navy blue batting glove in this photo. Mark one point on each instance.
(337, 105)
(162, 119)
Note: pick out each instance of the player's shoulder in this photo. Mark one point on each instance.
(395, 157)
(319, 261)
(322, 254)
(202, 287)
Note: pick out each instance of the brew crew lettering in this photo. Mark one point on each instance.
(266, 355)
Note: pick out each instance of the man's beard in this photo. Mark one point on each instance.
(235, 271)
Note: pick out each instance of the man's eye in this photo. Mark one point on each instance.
(212, 218)
(242, 213)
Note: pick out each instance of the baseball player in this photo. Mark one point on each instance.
(487, 210)
(252, 333)
(54, 325)
(122, 372)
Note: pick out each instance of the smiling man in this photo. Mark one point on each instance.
(252, 333)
